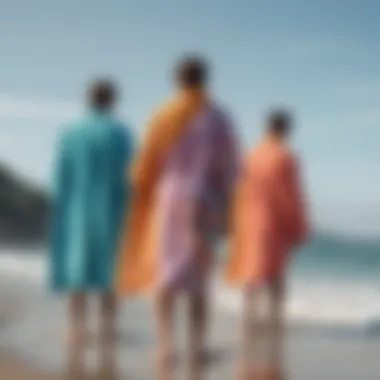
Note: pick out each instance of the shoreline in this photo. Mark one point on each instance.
(307, 356)
(32, 321)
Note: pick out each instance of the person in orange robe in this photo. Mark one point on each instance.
(268, 223)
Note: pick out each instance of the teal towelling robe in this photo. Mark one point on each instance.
(90, 197)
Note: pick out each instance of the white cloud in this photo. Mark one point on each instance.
(16, 108)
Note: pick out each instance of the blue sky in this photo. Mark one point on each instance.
(320, 58)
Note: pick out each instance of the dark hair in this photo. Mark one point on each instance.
(192, 71)
(102, 94)
(279, 122)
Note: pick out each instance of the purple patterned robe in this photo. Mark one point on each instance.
(192, 195)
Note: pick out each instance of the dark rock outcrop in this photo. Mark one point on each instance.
(24, 209)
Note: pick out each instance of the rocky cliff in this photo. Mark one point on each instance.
(24, 209)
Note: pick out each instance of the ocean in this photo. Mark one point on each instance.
(333, 282)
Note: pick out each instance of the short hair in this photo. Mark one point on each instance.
(279, 122)
(192, 71)
(102, 94)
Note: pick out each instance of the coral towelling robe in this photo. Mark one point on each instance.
(268, 215)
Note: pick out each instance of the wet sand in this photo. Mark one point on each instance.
(15, 369)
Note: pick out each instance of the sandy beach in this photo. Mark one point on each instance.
(17, 369)
(32, 321)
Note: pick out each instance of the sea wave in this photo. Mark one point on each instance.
(29, 266)
(319, 304)
(315, 302)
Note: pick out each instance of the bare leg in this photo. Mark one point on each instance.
(77, 337)
(248, 331)
(164, 315)
(108, 333)
(276, 323)
(197, 331)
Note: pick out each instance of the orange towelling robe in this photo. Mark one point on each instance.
(268, 218)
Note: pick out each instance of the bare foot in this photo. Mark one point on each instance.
(195, 371)
(108, 360)
(244, 372)
(197, 361)
(273, 373)
(107, 374)
(165, 364)
(76, 371)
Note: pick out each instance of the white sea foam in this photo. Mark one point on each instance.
(31, 267)
(321, 302)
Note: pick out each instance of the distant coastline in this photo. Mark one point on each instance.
(24, 210)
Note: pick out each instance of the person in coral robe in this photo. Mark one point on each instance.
(269, 223)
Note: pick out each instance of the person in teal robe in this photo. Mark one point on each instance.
(90, 199)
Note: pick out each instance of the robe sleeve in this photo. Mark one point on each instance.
(144, 158)
(294, 202)
(123, 150)
(228, 167)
